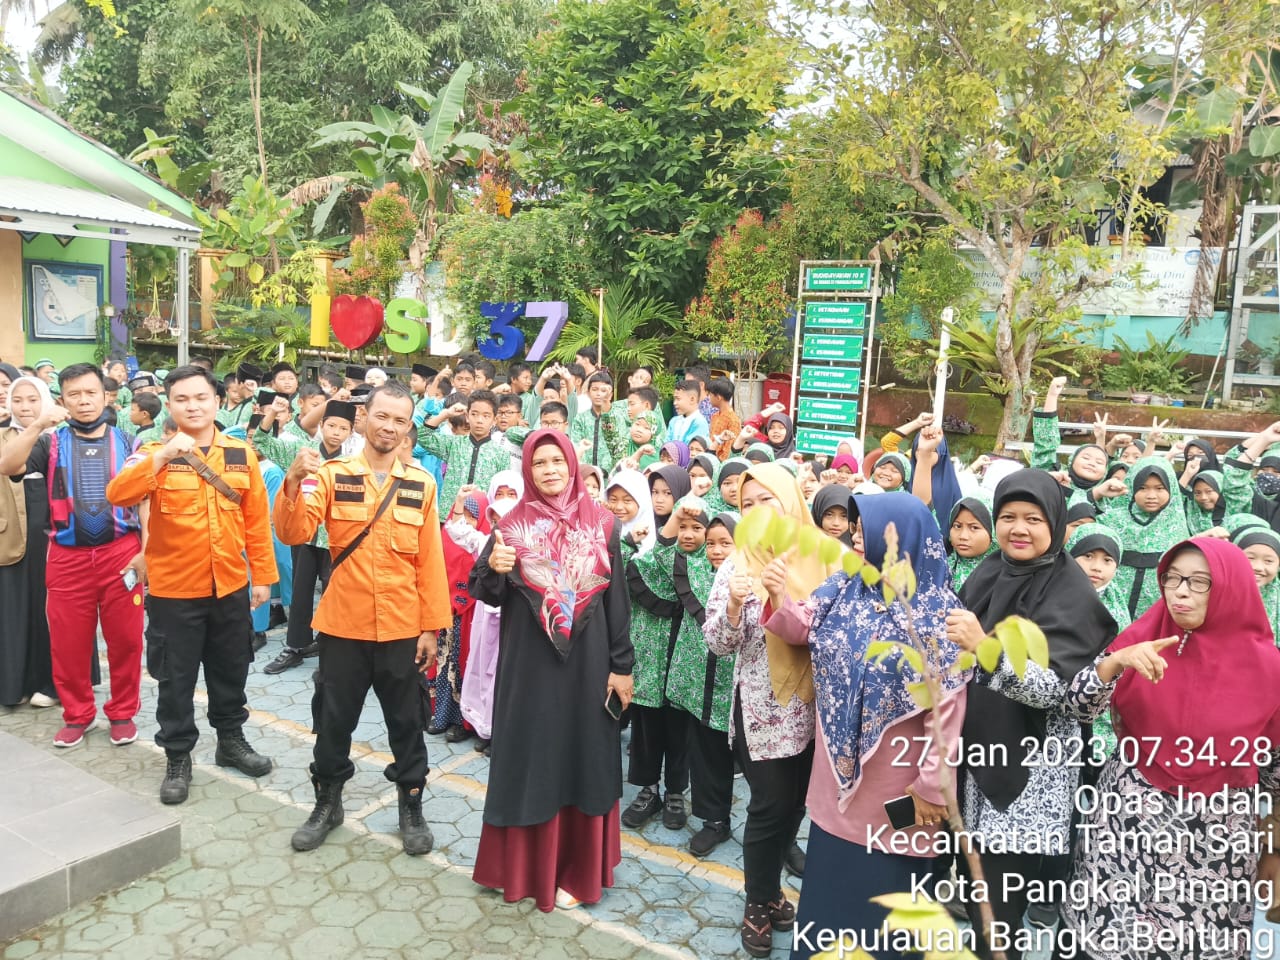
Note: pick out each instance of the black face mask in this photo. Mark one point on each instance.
(1267, 484)
(81, 427)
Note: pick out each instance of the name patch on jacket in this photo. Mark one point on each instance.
(235, 459)
(175, 467)
(411, 494)
(348, 489)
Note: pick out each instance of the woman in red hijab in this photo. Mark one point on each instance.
(1168, 839)
(551, 828)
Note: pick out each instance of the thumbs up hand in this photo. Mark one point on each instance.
(502, 559)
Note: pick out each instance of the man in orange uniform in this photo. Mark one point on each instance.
(209, 510)
(377, 621)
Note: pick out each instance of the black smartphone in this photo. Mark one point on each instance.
(255, 421)
(266, 398)
(901, 812)
(613, 706)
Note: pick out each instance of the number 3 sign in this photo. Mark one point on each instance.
(505, 340)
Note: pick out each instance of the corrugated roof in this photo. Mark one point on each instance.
(29, 205)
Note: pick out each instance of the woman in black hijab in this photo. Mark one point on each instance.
(1016, 801)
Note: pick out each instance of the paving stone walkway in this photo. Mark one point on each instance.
(239, 891)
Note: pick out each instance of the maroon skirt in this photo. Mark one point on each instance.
(571, 852)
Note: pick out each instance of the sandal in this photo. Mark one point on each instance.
(757, 930)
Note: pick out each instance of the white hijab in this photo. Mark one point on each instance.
(506, 478)
(46, 398)
(636, 486)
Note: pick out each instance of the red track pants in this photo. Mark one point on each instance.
(83, 585)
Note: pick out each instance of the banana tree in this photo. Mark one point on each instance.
(392, 147)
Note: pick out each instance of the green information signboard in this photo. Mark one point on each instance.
(824, 410)
(820, 347)
(831, 379)
(822, 441)
(836, 323)
(837, 279)
(842, 316)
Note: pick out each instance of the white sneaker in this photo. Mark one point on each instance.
(566, 901)
(40, 700)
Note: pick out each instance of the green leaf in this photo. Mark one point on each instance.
(1011, 636)
(448, 106)
(966, 661)
(851, 562)
(783, 532)
(809, 540)
(1263, 141)
(870, 575)
(920, 694)
(989, 654)
(829, 550)
(384, 118)
(1217, 108)
(880, 649)
(1021, 636)
(236, 261)
(423, 98)
(754, 528)
(256, 272)
(365, 164)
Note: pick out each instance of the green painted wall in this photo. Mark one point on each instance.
(79, 250)
(18, 161)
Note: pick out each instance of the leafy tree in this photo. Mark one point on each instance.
(617, 124)
(540, 253)
(179, 75)
(1009, 122)
(250, 21)
(421, 158)
(748, 291)
(1218, 88)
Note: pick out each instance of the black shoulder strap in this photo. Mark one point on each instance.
(354, 545)
(210, 476)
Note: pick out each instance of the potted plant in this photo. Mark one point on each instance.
(1248, 355)
(1088, 361)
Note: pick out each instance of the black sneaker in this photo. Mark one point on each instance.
(794, 861)
(674, 814)
(712, 834)
(646, 804)
(259, 640)
(481, 745)
(312, 649)
(286, 659)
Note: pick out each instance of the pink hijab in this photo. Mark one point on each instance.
(561, 542)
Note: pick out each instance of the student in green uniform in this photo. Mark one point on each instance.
(1147, 521)
(699, 682)
(971, 537)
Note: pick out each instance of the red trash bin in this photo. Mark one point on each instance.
(777, 389)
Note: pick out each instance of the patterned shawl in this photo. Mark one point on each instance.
(561, 542)
(858, 700)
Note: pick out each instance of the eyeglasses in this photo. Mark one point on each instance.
(1196, 583)
(552, 424)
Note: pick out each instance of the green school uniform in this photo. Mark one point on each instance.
(1145, 537)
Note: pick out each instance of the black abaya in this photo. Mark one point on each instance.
(554, 745)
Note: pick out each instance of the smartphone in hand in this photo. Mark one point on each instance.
(613, 707)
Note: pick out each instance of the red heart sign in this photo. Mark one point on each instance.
(355, 321)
